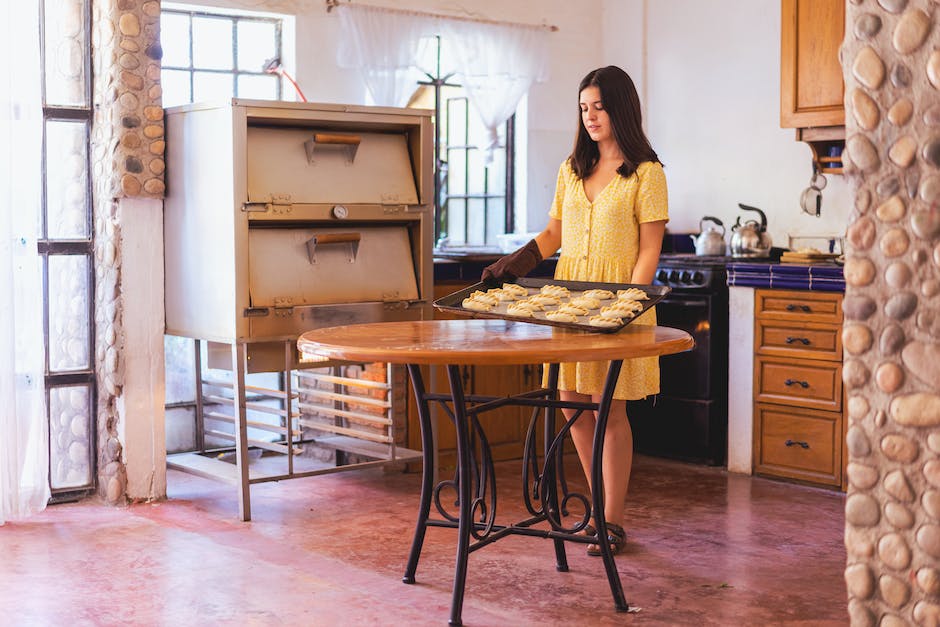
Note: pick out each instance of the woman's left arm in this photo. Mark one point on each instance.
(651, 243)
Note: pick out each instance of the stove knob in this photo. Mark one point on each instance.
(685, 276)
(698, 278)
(662, 276)
(674, 276)
(340, 212)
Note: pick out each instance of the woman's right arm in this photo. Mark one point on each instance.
(549, 240)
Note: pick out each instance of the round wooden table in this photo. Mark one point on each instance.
(455, 343)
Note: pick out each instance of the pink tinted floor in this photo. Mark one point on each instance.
(705, 548)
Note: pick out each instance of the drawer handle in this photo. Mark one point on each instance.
(804, 308)
(803, 340)
(790, 382)
(797, 443)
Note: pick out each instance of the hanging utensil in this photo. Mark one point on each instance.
(811, 198)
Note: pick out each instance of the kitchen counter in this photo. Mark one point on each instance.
(823, 277)
(466, 266)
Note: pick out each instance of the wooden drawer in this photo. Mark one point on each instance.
(803, 306)
(798, 444)
(786, 339)
(803, 383)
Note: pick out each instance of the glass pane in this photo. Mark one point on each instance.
(180, 429)
(456, 126)
(260, 87)
(175, 87)
(174, 38)
(69, 296)
(212, 43)
(212, 86)
(454, 225)
(69, 436)
(476, 222)
(456, 171)
(180, 369)
(476, 172)
(66, 180)
(65, 44)
(256, 44)
(496, 173)
(495, 219)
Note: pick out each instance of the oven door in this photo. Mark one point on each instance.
(688, 374)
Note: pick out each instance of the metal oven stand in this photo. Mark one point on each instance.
(249, 407)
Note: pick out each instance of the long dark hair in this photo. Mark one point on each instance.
(620, 100)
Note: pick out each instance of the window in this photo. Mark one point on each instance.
(66, 246)
(474, 202)
(208, 56)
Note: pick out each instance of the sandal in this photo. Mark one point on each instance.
(615, 536)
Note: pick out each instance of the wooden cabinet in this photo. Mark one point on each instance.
(505, 428)
(812, 89)
(798, 396)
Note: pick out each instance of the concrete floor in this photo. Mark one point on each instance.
(705, 548)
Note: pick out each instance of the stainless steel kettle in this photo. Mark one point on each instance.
(750, 239)
(709, 242)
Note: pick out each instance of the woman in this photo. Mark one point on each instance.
(608, 216)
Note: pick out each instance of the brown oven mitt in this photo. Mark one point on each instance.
(513, 265)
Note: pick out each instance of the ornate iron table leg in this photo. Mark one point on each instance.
(551, 504)
(597, 486)
(427, 472)
(463, 489)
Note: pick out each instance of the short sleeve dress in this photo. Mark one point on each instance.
(600, 242)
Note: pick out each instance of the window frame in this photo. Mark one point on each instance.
(48, 248)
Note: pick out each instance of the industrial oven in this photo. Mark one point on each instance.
(280, 218)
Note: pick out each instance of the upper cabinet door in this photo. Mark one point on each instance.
(811, 85)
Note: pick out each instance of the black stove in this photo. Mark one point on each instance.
(688, 420)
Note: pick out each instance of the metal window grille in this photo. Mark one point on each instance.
(66, 246)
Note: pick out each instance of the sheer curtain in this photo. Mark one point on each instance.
(24, 486)
(385, 46)
(496, 63)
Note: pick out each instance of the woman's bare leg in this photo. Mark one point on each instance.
(618, 451)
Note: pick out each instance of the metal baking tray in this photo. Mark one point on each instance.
(452, 302)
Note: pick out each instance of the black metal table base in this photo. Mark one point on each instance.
(546, 494)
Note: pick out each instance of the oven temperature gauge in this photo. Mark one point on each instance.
(340, 212)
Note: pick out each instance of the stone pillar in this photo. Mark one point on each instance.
(891, 334)
(127, 162)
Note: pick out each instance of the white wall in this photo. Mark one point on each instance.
(710, 86)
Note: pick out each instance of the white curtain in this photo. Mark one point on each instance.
(24, 486)
(496, 63)
(386, 46)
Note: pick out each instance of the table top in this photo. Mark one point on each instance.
(483, 341)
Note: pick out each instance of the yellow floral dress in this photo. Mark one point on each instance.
(600, 242)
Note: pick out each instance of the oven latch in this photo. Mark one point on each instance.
(279, 204)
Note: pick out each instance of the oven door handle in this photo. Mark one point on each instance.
(322, 239)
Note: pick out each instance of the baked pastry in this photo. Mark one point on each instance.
(561, 316)
(632, 293)
(573, 309)
(601, 321)
(527, 304)
(618, 310)
(483, 297)
(544, 299)
(599, 294)
(587, 302)
(556, 290)
(476, 305)
(520, 310)
(516, 290)
(501, 294)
